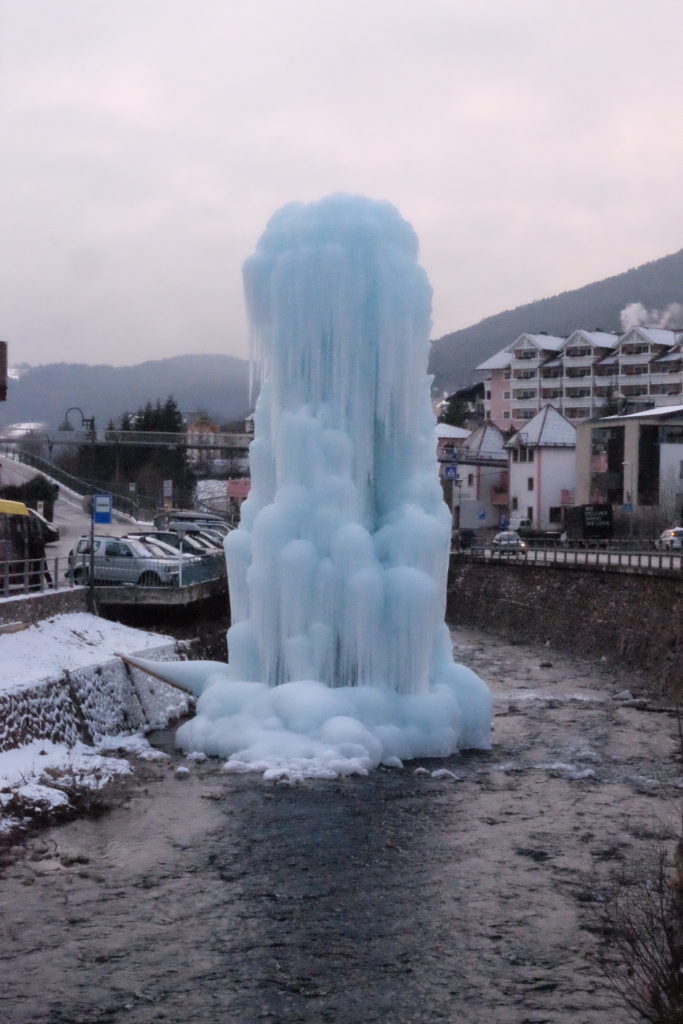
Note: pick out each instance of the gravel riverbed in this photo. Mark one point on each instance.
(449, 891)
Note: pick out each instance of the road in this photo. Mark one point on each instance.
(70, 518)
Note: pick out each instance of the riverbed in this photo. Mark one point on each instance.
(457, 890)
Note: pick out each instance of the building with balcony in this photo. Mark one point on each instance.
(582, 374)
(512, 389)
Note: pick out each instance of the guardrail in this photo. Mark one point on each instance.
(31, 576)
(616, 556)
(84, 488)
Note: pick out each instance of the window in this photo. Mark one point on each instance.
(530, 454)
(515, 455)
(470, 479)
(522, 454)
(506, 414)
(530, 513)
(555, 514)
(488, 396)
(530, 483)
(515, 505)
(680, 470)
(506, 395)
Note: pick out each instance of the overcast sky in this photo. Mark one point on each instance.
(534, 145)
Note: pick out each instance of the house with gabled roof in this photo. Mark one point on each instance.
(480, 494)
(542, 469)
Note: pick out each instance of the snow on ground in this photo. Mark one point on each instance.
(64, 643)
(42, 776)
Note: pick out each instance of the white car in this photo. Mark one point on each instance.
(670, 540)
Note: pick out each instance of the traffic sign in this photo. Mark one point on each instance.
(102, 508)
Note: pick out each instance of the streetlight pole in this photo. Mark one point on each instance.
(629, 495)
(88, 424)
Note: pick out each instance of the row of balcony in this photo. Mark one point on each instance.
(602, 373)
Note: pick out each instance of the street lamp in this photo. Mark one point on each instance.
(88, 424)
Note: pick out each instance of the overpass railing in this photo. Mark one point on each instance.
(136, 509)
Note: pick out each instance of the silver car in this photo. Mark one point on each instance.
(121, 560)
(508, 541)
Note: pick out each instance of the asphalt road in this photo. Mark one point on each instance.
(73, 522)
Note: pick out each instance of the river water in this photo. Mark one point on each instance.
(400, 898)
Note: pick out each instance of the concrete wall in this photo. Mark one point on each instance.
(632, 621)
(32, 608)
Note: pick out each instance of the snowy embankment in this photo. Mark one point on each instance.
(65, 700)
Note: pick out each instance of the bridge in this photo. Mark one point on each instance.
(191, 440)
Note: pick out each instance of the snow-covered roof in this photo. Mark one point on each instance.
(599, 339)
(671, 357)
(661, 410)
(500, 360)
(496, 362)
(486, 441)
(548, 428)
(446, 430)
(655, 335)
(549, 342)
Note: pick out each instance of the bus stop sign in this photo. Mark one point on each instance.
(102, 508)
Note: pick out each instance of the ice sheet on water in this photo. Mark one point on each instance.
(338, 652)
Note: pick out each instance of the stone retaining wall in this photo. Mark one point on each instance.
(632, 621)
(89, 703)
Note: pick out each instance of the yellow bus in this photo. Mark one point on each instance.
(15, 533)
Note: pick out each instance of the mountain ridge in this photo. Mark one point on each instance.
(217, 384)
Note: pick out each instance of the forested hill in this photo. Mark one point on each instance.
(217, 384)
(656, 285)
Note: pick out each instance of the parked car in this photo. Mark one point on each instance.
(188, 518)
(174, 540)
(508, 540)
(213, 538)
(670, 540)
(48, 530)
(160, 549)
(121, 560)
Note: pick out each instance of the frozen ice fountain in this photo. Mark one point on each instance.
(339, 656)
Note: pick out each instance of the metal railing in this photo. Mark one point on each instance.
(618, 556)
(28, 576)
(31, 576)
(84, 488)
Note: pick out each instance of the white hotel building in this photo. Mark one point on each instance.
(578, 374)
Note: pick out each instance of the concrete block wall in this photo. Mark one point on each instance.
(631, 621)
(90, 703)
